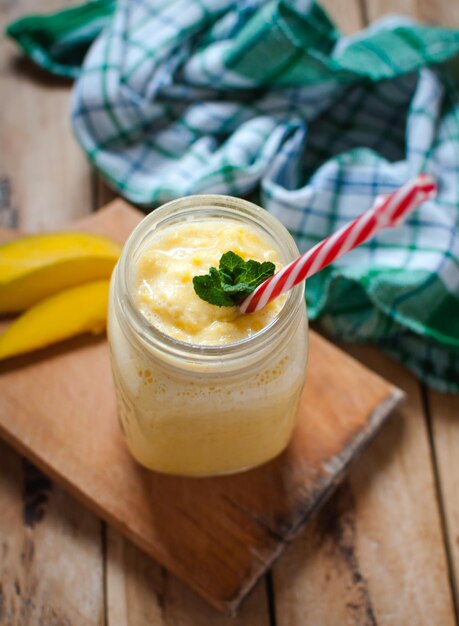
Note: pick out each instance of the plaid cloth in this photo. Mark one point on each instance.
(266, 98)
(59, 42)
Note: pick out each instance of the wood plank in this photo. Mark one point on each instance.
(42, 169)
(437, 12)
(320, 580)
(375, 555)
(414, 555)
(441, 12)
(374, 9)
(141, 592)
(444, 416)
(444, 409)
(236, 525)
(347, 15)
(51, 562)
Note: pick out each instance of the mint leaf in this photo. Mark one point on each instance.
(234, 280)
(208, 288)
(256, 273)
(231, 263)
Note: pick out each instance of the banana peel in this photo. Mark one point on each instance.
(72, 312)
(35, 267)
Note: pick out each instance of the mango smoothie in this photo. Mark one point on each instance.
(202, 389)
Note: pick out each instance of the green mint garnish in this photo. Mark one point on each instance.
(234, 280)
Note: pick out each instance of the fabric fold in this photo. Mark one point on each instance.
(59, 42)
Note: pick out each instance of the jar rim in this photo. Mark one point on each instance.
(204, 206)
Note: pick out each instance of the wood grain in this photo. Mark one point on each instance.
(374, 9)
(442, 409)
(348, 16)
(234, 526)
(375, 553)
(50, 564)
(51, 560)
(320, 580)
(140, 593)
(439, 12)
(444, 421)
(360, 556)
(42, 169)
(443, 415)
(435, 12)
(409, 562)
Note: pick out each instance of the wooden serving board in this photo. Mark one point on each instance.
(219, 535)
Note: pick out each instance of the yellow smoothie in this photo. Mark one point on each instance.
(196, 418)
(164, 281)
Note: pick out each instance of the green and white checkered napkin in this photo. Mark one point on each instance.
(266, 98)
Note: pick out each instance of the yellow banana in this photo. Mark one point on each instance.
(37, 266)
(69, 313)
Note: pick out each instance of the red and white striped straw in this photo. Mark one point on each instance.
(386, 212)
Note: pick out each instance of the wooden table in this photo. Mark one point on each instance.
(385, 550)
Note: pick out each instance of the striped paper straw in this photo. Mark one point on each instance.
(387, 211)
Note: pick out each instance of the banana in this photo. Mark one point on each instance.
(35, 267)
(72, 312)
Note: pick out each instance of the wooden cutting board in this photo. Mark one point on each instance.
(219, 535)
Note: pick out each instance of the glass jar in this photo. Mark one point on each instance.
(198, 410)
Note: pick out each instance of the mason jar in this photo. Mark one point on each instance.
(203, 410)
